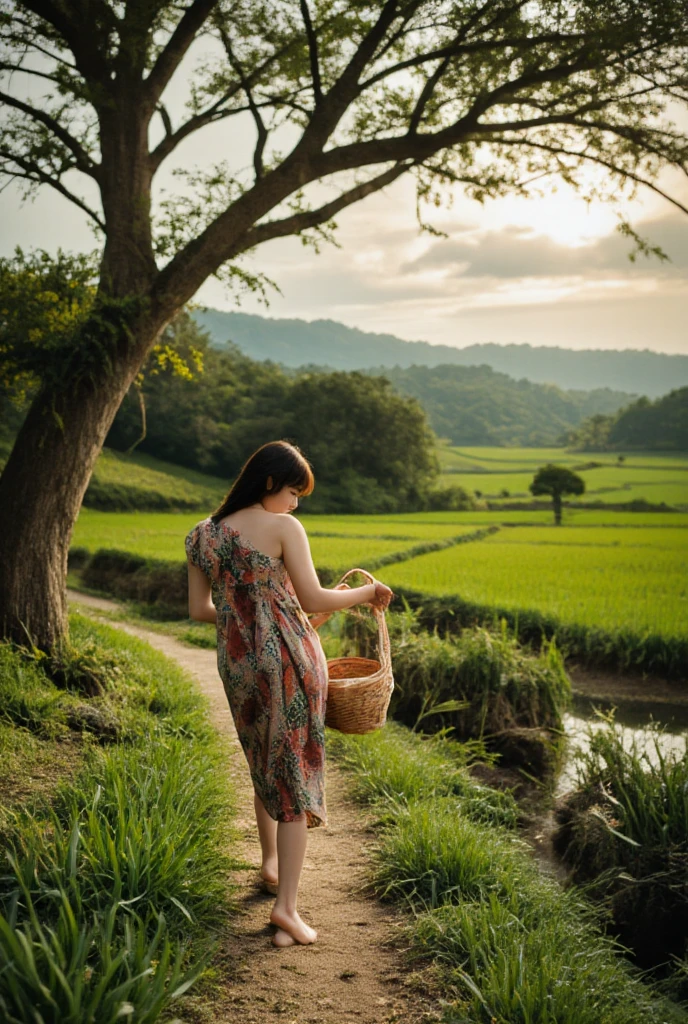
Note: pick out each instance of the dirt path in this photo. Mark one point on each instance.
(355, 971)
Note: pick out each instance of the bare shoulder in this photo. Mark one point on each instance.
(291, 528)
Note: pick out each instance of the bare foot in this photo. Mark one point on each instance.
(292, 923)
(268, 871)
(282, 939)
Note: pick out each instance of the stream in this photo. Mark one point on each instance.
(634, 716)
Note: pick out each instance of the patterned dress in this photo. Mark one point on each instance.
(273, 669)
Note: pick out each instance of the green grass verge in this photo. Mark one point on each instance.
(510, 946)
(115, 883)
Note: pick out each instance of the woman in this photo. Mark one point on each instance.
(251, 573)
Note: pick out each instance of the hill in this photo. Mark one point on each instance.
(474, 405)
(643, 425)
(328, 343)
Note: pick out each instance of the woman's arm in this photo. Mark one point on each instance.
(296, 554)
(201, 607)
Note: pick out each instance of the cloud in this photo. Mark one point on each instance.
(515, 252)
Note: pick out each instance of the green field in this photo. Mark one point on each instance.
(628, 578)
(603, 570)
(490, 471)
(161, 535)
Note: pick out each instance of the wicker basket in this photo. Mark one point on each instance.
(359, 689)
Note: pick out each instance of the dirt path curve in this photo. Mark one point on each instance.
(351, 973)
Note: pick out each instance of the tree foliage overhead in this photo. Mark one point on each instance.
(487, 94)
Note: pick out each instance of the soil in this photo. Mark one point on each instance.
(356, 970)
(626, 688)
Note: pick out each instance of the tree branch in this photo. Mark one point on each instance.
(261, 130)
(583, 154)
(212, 113)
(32, 172)
(299, 222)
(179, 42)
(83, 160)
(425, 95)
(312, 52)
(30, 71)
(89, 59)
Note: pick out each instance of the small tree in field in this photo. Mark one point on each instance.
(557, 481)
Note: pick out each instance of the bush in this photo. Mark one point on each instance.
(161, 585)
(624, 831)
(451, 499)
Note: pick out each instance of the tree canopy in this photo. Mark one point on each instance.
(661, 425)
(556, 481)
(486, 94)
(371, 448)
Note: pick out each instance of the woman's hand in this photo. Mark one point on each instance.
(383, 596)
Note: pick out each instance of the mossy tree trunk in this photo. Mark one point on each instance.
(41, 490)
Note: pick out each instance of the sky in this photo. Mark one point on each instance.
(550, 270)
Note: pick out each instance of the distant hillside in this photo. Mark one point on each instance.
(474, 405)
(651, 426)
(327, 343)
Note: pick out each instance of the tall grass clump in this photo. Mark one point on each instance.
(111, 891)
(624, 832)
(509, 946)
(412, 766)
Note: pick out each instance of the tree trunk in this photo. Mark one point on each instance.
(41, 490)
(556, 501)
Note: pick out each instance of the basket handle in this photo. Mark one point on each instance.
(382, 631)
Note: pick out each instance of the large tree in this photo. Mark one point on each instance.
(344, 97)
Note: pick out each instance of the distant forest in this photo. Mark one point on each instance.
(473, 405)
(371, 434)
(372, 448)
(326, 342)
(643, 425)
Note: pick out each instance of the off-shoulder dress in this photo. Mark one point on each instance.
(273, 669)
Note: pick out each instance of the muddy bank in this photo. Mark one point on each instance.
(612, 686)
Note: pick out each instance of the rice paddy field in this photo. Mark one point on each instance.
(604, 570)
(639, 477)
(632, 578)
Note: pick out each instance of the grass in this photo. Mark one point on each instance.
(642, 476)
(115, 878)
(128, 482)
(508, 945)
(633, 579)
(624, 831)
(161, 536)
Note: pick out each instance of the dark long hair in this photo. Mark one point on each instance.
(283, 461)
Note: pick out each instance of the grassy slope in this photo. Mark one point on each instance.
(119, 858)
